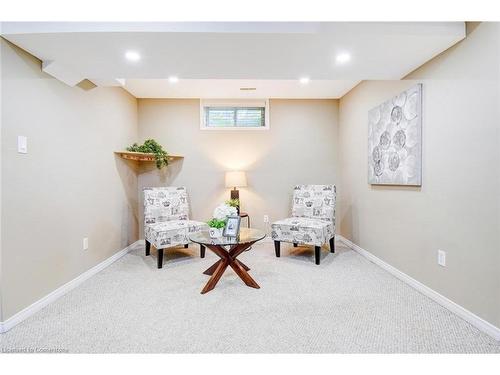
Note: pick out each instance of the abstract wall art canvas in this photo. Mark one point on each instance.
(395, 140)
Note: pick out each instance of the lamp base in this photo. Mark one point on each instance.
(235, 194)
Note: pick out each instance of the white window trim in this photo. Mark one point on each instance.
(234, 103)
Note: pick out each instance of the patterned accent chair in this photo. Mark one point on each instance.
(312, 221)
(166, 220)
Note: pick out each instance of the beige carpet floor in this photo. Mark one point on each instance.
(345, 305)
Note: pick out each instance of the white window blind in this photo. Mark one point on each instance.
(240, 114)
(234, 116)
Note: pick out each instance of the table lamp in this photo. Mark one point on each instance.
(235, 179)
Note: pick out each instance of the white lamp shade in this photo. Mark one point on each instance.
(236, 179)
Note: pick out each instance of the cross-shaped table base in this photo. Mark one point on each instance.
(228, 258)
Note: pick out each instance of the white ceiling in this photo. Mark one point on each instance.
(216, 59)
(230, 88)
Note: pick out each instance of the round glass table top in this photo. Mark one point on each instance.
(246, 235)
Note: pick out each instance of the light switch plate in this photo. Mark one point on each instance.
(85, 243)
(442, 258)
(22, 144)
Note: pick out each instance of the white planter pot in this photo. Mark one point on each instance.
(215, 232)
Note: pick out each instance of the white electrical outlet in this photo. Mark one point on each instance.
(442, 258)
(85, 243)
(266, 219)
(22, 144)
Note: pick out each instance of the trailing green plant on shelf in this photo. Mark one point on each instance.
(150, 146)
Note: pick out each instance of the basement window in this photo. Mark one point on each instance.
(234, 114)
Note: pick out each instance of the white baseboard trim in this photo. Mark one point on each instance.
(463, 313)
(267, 239)
(62, 290)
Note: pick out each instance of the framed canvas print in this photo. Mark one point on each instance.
(395, 140)
(232, 228)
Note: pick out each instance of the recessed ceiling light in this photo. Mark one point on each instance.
(132, 56)
(173, 79)
(304, 80)
(343, 57)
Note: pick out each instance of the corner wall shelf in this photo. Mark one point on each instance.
(141, 156)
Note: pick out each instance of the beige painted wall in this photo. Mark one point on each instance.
(300, 147)
(457, 208)
(1, 131)
(68, 186)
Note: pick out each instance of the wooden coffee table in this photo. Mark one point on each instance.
(228, 250)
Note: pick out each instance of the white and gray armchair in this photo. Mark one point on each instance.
(312, 221)
(166, 220)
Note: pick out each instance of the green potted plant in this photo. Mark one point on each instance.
(216, 227)
(234, 203)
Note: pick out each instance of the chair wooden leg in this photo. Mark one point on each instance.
(317, 254)
(332, 244)
(148, 247)
(186, 246)
(160, 258)
(202, 251)
(277, 248)
(295, 244)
